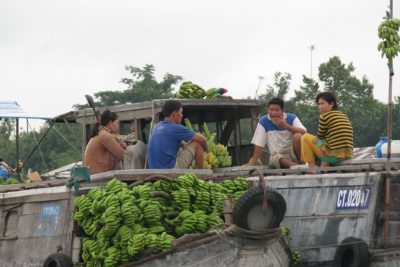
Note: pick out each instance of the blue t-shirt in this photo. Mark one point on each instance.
(3, 173)
(164, 144)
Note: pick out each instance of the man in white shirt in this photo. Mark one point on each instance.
(281, 132)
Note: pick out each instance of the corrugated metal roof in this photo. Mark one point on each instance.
(11, 109)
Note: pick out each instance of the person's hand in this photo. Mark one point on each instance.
(280, 121)
(251, 162)
(123, 145)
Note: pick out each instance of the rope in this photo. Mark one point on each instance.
(228, 230)
(79, 153)
(38, 145)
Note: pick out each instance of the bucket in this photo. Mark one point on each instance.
(395, 149)
(378, 147)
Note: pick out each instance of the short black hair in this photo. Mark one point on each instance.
(105, 118)
(328, 97)
(276, 101)
(171, 106)
(108, 116)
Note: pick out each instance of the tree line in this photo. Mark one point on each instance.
(62, 145)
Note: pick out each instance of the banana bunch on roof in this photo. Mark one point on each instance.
(191, 91)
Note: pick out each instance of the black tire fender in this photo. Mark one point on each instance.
(58, 260)
(247, 212)
(352, 252)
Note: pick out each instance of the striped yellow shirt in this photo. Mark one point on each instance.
(336, 130)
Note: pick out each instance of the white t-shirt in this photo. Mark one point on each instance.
(275, 137)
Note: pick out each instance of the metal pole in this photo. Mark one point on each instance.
(258, 87)
(311, 51)
(17, 167)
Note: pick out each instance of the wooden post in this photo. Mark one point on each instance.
(228, 208)
(389, 134)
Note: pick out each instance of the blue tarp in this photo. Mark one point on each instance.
(11, 109)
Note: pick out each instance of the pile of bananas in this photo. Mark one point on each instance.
(217, 155)
(214, 93)
(10, 180)
(124, 223)
(388, 32)
(190, 90)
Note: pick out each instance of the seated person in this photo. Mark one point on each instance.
(136, 150)
(103, 152)
(281, 132)
(168, 136)
(129, 139)
(5, 170)
(335, 135)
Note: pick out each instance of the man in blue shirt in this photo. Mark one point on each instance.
(172, 145)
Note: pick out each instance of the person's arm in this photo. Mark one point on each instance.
(259, 141)
(322, 127)
(282, 123)
(256, 155)
(199, 138)
(113, 146)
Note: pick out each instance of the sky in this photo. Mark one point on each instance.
(53, 52)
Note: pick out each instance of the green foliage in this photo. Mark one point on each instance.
(141, 86)
(368, 115)
(53, 152)
(279, 88)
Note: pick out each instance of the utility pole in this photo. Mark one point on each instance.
(258, 87)
(312, 47)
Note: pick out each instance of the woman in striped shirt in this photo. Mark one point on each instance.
(335, 135)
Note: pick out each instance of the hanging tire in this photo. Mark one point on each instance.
(352, 252)
(58, 260)
(247, 212)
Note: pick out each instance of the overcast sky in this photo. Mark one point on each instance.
(54, 52)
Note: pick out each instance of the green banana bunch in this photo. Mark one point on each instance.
(142, 191)
(217, 196)
(152, 213)
(202, 201)
(217, 155)
(190, 90)
(139, 228)
(238, 194)
(388, 32)
(156, 229)
(202, 218)
(162, 185)
(111, 200)
(114, 186)
(89, 246)
(214, 220)
(122, 236)
(182, 199)
(187, 180)
(10, 180)
(124, 255)
(153, 242)
(136, 244)
(188, 124)
(185, 223)
(111, 219)
(241, 184)
(166, 241)
(212, 93)
(131, 214)
(113, 257)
